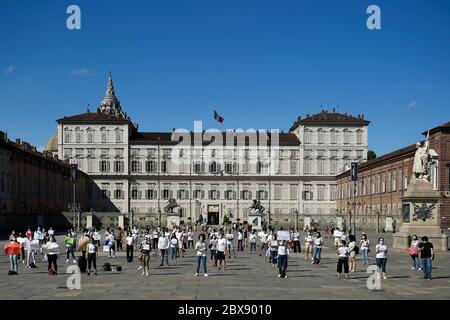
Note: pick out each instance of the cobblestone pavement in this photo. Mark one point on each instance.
(249, 277)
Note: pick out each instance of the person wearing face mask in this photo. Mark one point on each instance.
(381, 256)
(92, 256)
(427, 256)
(343, 254)
(414, 253)
(283, 253)
(145, 249)
(221, 252)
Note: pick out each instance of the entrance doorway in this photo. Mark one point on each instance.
(213, 215)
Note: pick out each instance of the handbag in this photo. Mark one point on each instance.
(412, 251)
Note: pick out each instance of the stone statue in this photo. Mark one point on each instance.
(257, 207)
(421, 167)
(171, 204)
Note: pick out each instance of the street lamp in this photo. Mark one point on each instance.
(75, 208)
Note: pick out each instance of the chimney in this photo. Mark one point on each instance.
(334, 110)
(18, 141)
(3, 136)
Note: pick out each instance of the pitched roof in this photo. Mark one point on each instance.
(442, 127)
(326, 117)
(406, 152)
(92, 118)
(165, 138)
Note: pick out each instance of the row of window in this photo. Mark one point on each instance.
(230, 194)
(332, 136)
(79, 136)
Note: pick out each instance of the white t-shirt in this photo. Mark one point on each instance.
(201, 249)
(155, 235)
(318, 242)
(381, 251)
(253, 238)
(364, 244)
(342, 252)
(229, 237)
(309, 240)
(240, 236)
(221, 243)
(283, 251)
(337, 234)
(296, 236)
(173, 243)
(129, 240)
(190, 236)
(91, 248)
(22, 241)
(263, 237)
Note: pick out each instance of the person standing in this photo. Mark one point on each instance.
(381, 256)
(130, 246)
(309, 243)
(201, 249)
(69, 241)
(352, 249)
(337, 234)
(155, 237)
(252, 240)
(22, 241)
(31, 251)
(263, 239)
(173, 247)
(112, 244)
(414, 251)
(427, 256)
(283, 253)
(190, 239)
(163, 247)
(343, 254)
(221, 252)
(240, 240)
(135, 234)
(92, 249)
(145, 249)
(273, 250)
(13, 250)
(296, 242)
(230, 246)
(365, 248)
(52, 251)
(119, 239)
(318, 243)
(213, 248)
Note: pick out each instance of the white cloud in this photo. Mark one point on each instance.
(81, 72)
(412, 104)
(9, 70)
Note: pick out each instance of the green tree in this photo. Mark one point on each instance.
(371, 155)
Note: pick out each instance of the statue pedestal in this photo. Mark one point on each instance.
(307, 222)
(389, 221)
(255, 220)
(173, 220)
(420, 217)
(89, 221)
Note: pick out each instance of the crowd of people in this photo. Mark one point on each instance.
(174, 244)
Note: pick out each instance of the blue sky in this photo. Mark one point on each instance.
(263, 63)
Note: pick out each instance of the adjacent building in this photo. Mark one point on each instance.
(35, 187)
(210, 173)
(376, 196)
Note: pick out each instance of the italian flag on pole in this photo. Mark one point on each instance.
(218, 117)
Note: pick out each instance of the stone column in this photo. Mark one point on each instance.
(121, 220)
(89, 220)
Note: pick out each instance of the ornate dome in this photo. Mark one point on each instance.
(52, 144)
(110, 104)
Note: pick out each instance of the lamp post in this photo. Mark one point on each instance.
(296, 220)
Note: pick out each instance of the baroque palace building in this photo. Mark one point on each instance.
(209, 173)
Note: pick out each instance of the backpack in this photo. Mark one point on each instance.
(106, 267)
(356, 250)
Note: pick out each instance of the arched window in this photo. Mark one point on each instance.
(67, 135)
(333, 136)
(346, 136)
(119, 135)
(90, 135)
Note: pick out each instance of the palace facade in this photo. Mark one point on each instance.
(211, 174)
